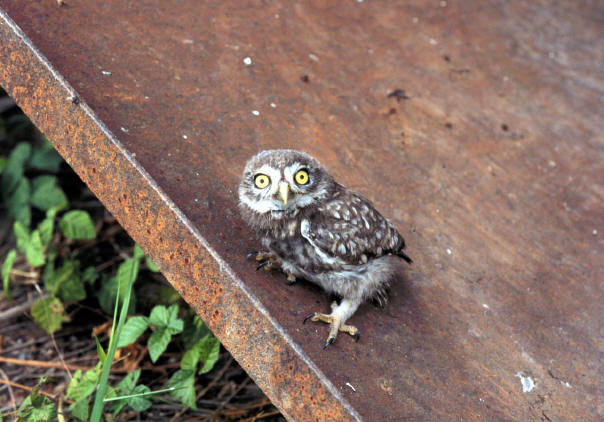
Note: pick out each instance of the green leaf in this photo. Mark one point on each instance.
(13, 171)
(158, 342)
(184, 380)
(46, 159)
(6, 267)
(77, 224)
(49, 314)
(18, 202)
(22, 235)
(140, 403)
(29, 244)
(3, 162)
(138, 252)
(209, 351)
(108, 292)
(46, 227)
(82, 385)
(61, 276)
(81, 409)
(80, 390)
(37, 408)
(151, 265)
(127, 272)
(193, 330)
(166, 317)
(125, 387)
(47, 194)
(34, 252)
(100, 351)
(132, 330)
(90, 275)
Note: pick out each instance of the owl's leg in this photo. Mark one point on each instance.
(270, 261)
(336, 320)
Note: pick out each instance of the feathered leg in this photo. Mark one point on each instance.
(337, 320)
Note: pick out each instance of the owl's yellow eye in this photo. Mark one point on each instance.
(261, 181)
(301, 177)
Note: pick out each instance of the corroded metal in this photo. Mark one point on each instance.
(475, 126)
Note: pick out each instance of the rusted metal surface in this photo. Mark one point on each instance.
(489, 160)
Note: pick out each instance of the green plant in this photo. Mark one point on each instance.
(49, 238)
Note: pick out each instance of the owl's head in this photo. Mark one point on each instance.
(279, 182)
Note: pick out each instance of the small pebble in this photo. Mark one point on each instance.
(247, 61)
(105, 72)
(449, 252)
(255, 112)
(185, 137)
(594, 232)
(273, 105)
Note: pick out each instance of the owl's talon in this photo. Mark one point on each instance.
(309, 316)
(356, 336)
(329, 342)
(263, 264)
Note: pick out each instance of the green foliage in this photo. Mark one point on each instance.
(37, 408)
(49, 314)
(166, 323)
(132, 330)
(7, 266)
(45, 158)
(126, 274)
(46, 193)
(66, 282)
(77, 225)
(183, 381)
(15, 187)
(151, 265)
(80, 390)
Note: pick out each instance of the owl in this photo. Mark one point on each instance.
(313, 228)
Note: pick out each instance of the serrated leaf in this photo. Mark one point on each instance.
(141, 403)
(34, 251)
(158, 342)
(49, 314)
(47, 194)
(78, 225)
(7, 266)
(45, 159)
(37, 408)
(83, 384)
(18, 202)
(184, 378)
(13, 171)
(132, 330)
(159, 316)
(209, 351)
(152, 267)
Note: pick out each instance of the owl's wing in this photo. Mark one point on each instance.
(349, 228)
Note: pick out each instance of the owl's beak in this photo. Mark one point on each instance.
(284, 191)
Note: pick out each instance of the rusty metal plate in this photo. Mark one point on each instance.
(489, 159)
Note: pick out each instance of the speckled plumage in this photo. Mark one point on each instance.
(324, 233)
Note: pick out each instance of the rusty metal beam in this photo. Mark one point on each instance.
(489, 159)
